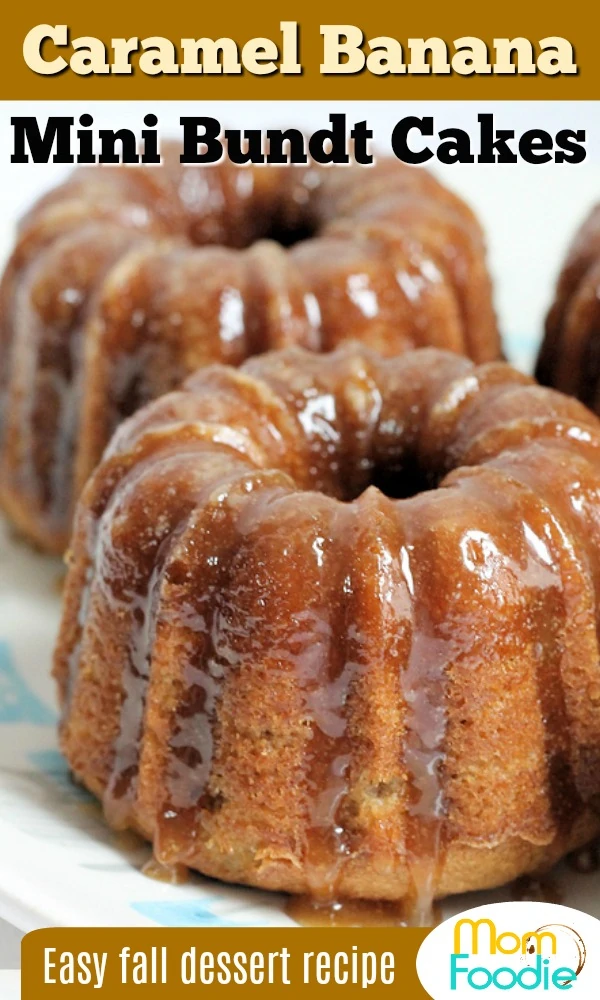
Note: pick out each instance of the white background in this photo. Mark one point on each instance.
(9, 985)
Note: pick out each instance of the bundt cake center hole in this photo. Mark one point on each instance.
(288, 235)
(399, 482)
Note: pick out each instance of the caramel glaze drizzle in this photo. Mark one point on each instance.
(327, 673)
(505, 546)
(80, 263)
(127, 574)
(540, 564)
(214, 475)
(424, 681)
(199, 606)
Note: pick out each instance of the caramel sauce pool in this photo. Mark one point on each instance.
(352, 913)
(171, 874)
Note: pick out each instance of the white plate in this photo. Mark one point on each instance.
(10, 985)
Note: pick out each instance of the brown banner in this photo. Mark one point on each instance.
(261, 60)
(174, 962)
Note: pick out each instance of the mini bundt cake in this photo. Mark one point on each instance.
(331, 625)
(112, 296)
(569, 358)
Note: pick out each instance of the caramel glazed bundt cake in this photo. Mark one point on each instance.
(569, 359)
(112, 296)
(331, 625)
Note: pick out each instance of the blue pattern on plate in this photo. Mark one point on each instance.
(18, 703)
(189, 913)
(52, 763)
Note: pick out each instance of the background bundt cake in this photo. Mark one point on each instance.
(284, 676)
(112, 296)
(569, 358)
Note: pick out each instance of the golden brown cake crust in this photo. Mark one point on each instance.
(283, 676)
(569, 358)
(125, 280)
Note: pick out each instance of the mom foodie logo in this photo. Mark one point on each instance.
(477, 940)
(519, 948)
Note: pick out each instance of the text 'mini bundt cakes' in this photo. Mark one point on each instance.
(331, 625)
(569, 358)
(125, 280)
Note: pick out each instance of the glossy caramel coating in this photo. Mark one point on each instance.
(125, 280)
(283, 676)
(569, 357)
